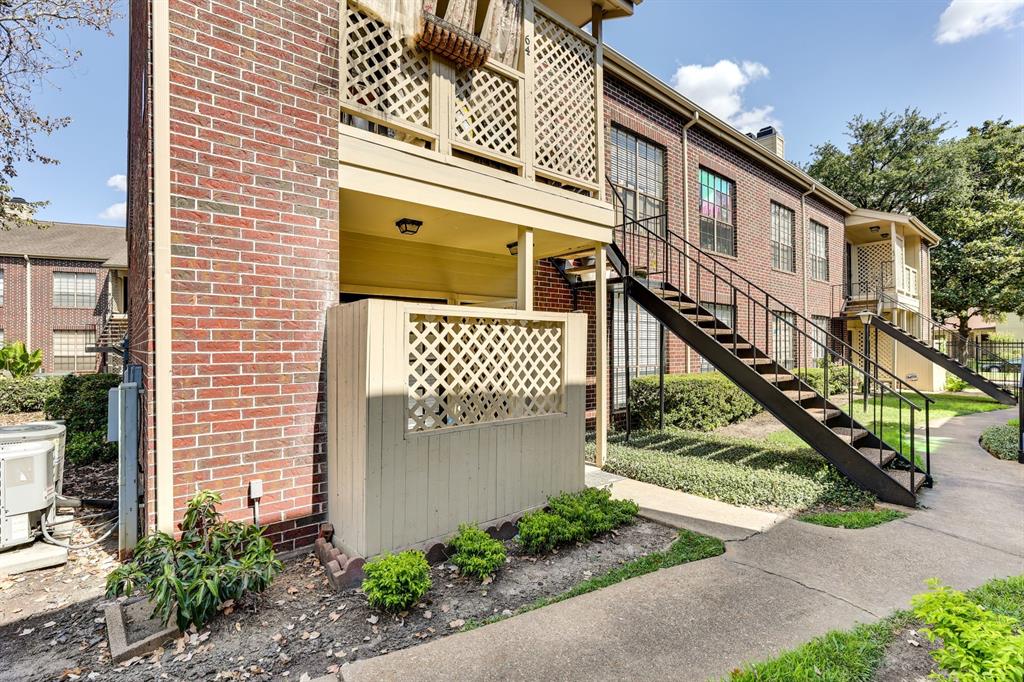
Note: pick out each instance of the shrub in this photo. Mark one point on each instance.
(395, 582)
(955, 384)
(540, 532)
(838, 378)
(1001, 440)
(26, 394)
(692, 401)
(81, 401)
(18, 361)
(83, 447)
(476, 553)
(976, 643)
(594, 509)
(212, 562)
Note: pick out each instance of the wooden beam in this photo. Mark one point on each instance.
(601, 352)
(524, 269)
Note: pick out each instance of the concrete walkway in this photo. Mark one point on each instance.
(768, 592)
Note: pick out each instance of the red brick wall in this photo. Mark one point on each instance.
(254, 252)
(45, 318)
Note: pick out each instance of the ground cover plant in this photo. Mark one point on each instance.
(1001, 440)
(475, 552)
(855, 655)
(702, 402)
(734, 470)
(853, 518)
(214, 561)
(573, 517)
(394, 582)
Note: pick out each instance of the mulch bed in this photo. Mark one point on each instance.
(908, 658)
(300, 626)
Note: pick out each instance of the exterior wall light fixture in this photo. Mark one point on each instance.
(513, 248)
(408, 226)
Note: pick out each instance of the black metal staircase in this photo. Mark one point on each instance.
(653, 264)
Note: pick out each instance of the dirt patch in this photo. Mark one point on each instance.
(300, 625)
(755, 428)
(97, 480)
(21, 418)
(907, 658)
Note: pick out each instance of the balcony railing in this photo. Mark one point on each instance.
(539, 123)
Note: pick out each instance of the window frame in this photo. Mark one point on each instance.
(82, 362)
(60, 298)
(3, 288)
(816, 261)
(824, 323)
(717, 224)
(779, 319)
(642, 204)
(776, 212)
(714, 308)
(643, 329)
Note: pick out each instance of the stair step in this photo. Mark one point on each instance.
(849, 435)
(780, 378)
(700, 318)
(872, 454)
(757, 361)
(823, 414)
(903, 478)
(796, 395)
(720, 331)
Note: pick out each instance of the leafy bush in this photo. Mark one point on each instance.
(395, 582)
(214, 561)
(1001, 440)
(81, 401)
(26, 394)
(838, 378)
(955, 384)
(692, 401)
(476, 553)
(540, 532)
(977, 644)
(18, 361)
(594, 509)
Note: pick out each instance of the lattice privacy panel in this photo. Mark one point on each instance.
(466, 370)
(565, 102)
(486, 111)
(874, 267)
(383, 75)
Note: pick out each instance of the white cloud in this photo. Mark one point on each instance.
(964, 19)
(118, 182)
(116, 211)
(719, 88)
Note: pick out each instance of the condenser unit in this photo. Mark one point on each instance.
(27, 492)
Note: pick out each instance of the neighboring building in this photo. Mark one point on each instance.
(63, 288)
(269, 180)
(1004, 327)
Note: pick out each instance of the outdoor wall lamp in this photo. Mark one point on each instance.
(865, 317)
(408, 225)
(513, 248)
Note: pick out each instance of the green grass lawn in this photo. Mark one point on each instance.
(856, 518)
(855, 655)
(883, 417)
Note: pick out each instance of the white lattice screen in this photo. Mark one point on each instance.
(466, 370)
(384, 76)
(487, 111)
(874, 267)
(565, 102)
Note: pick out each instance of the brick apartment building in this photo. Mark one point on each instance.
(61, 287)
(287, 155)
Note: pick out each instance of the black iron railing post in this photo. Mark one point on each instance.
(927, 446)
(661, 377)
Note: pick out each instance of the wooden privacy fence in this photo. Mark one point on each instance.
(441, 415)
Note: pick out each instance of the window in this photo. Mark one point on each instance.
(74, 290)
(638, 174)
(717, 230)
(783, 242)
(784, 338)
(820, 334)
(69, 354)
(644, 355)
(726, 314)
(2, 337)
(1, 287)
(818, 250)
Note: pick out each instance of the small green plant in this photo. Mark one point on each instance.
(476, 553)
(1001, 440)
(81, 401)
(977, 644)
(27, 394)
(212, 562)
(18, 361)
(395, 582)
(540, 532)
(955, 384)
(594, 509)
(857, 518)
(84, 447)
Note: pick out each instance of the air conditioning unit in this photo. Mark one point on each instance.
(27, 477)
(49, 431)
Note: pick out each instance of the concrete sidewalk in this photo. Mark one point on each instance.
(768, 592)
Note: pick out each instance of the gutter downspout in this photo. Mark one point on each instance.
(28, 303)
(803, 240)
(686, 213)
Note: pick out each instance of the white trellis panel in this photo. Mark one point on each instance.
(441, 415)
(874, 268)
(384, 77)
(565, 102)
(487, 111)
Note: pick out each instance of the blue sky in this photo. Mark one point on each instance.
(807, 66)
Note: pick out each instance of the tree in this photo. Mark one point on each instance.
(970, 191)
(31, 33)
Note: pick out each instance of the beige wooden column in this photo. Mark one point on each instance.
(524, 270)
(601, 352)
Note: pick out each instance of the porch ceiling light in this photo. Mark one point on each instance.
(885, 235)
(874, 228)
(513, 248)
(865, 317)
(408, 225)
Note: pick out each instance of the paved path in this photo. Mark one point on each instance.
(768, 592)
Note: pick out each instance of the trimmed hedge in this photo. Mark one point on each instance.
(81, 401)
(692, 401)
(838, 379)
(27, 394)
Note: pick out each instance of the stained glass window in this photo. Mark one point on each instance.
(783, 244)
(717, 228)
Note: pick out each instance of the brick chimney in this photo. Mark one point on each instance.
(772, 140)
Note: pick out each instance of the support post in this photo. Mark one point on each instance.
(601, 359)
(524, 270)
